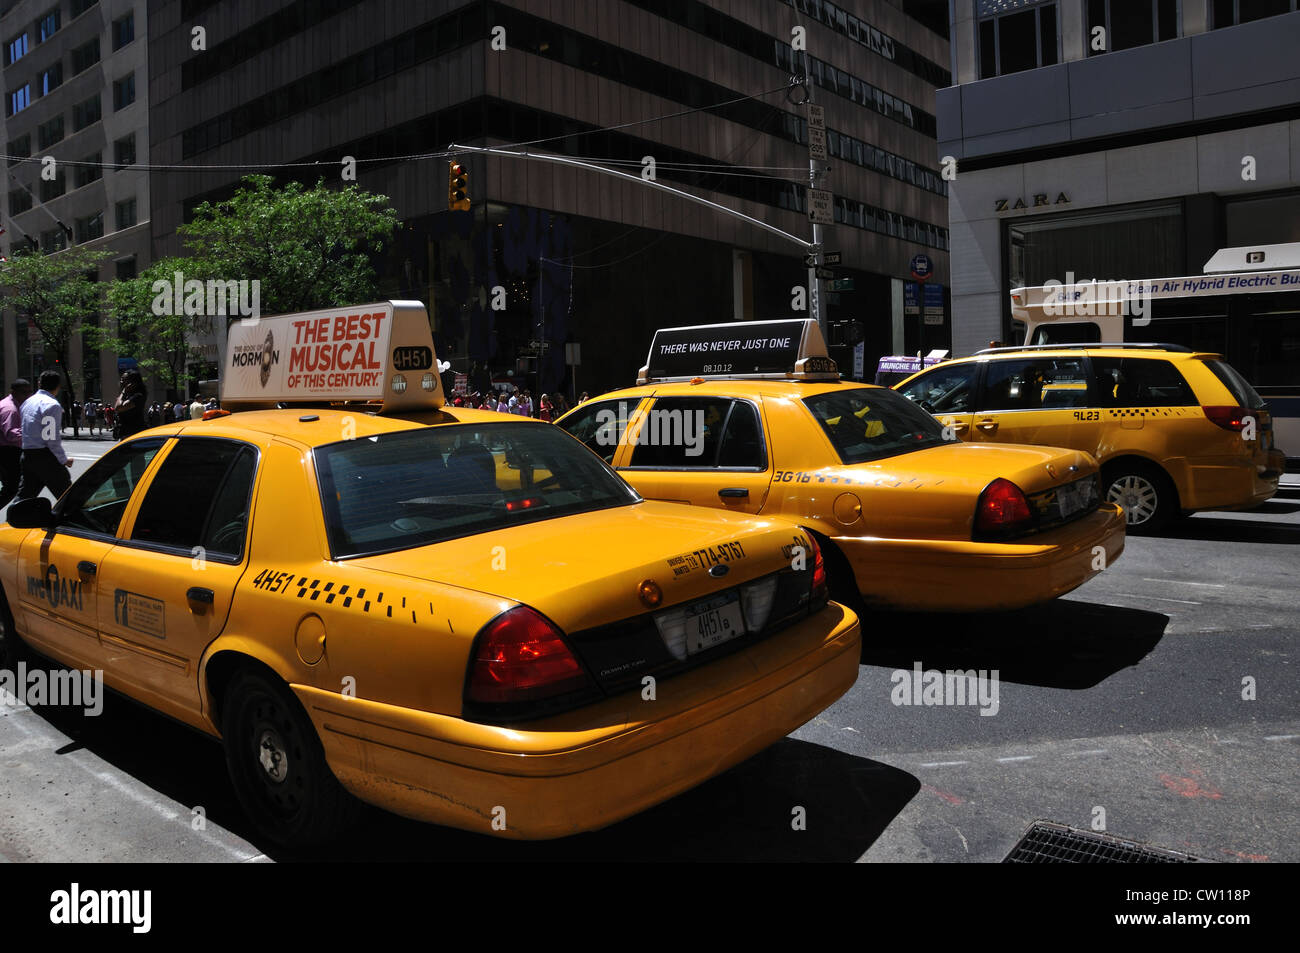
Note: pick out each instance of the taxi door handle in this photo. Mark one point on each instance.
(734, 493)
(204, 597)
(86, 567)
(988, 426)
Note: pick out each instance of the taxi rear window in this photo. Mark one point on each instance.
(871, 423)
(398, 491)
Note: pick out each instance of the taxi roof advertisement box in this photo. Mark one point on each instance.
(782, 348)
(372, 353)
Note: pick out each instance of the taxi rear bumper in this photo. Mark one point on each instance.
(586, 769)
(1230, 483)
(963, 576)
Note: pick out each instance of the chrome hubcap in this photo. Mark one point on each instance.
(272, 756)
(1136, 495)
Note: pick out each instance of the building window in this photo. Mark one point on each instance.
(123, 31)
(89, 228)
(48, 25)
(53, 188)
(48, 133)
(56, 239)
(124, 92)
(1017, 35)
(1128, 242)
(81, 6)
(125, 214)
(1233, 12)
(20, 148)
(90, 172)
(83, 114)
(124, 152)
(1124, 24)
(20, 200)
(16, 49)
(19, 99)
(125, 268)
(85, 56)
(52, 78)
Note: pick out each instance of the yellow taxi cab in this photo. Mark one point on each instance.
(751, 417)
(358, 599)
(1175, 431)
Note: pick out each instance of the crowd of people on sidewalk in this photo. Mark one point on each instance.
(547, 407)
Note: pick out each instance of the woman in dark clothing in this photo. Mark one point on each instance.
(130, 404)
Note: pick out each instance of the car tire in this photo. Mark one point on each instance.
(277, 764)
(1145, 493)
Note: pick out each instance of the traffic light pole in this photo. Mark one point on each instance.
(814, 283)
(636, 179)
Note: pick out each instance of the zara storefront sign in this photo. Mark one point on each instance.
(1040, 200)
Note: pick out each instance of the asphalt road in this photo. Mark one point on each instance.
(1121, 704)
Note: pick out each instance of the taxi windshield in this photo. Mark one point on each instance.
(401, 490)
(870, 423)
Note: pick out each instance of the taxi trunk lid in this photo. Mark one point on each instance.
(585, 572)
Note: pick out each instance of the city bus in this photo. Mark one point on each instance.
(1245, 305)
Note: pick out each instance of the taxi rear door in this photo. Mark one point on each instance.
(1037, 400)
(166, 589)
(703, 450)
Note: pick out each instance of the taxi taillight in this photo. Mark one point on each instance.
(820, 584)
(1002, 510)
(521, 657)
(1229, 418)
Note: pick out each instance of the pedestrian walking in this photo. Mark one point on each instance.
(45, 463)
(11, 439)
(129, 406)
(544, 410)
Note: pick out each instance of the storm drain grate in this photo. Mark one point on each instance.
(1048, 843)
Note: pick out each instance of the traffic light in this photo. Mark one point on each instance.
(457, 187)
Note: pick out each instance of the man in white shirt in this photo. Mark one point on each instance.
(45, 464)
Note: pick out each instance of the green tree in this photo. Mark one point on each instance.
(160, 343)
(56, 293)
(308, 247)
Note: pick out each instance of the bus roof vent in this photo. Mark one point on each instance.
(1254, 258)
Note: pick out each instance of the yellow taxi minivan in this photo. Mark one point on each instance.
(1175, 431)
(752, 417)
(460, 616)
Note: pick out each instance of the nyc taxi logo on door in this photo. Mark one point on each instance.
(55, 590)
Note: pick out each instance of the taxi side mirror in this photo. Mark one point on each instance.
(32, 513)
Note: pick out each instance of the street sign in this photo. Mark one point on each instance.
(842, 284)
(817, 144)
(816, 116)
(859, 359)
(831, 258)
(819, 207)
(911, 298)
(921, 267)
(573, 353)
(933, 304)
(825, 274)
(533, 349)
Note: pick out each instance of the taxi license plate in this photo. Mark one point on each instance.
(1072, 497)
(712, 622)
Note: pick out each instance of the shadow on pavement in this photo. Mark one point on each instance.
(743, 814)
(1062, 644)
(1219, 529)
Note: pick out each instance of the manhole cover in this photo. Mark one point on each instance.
(1049, 843)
